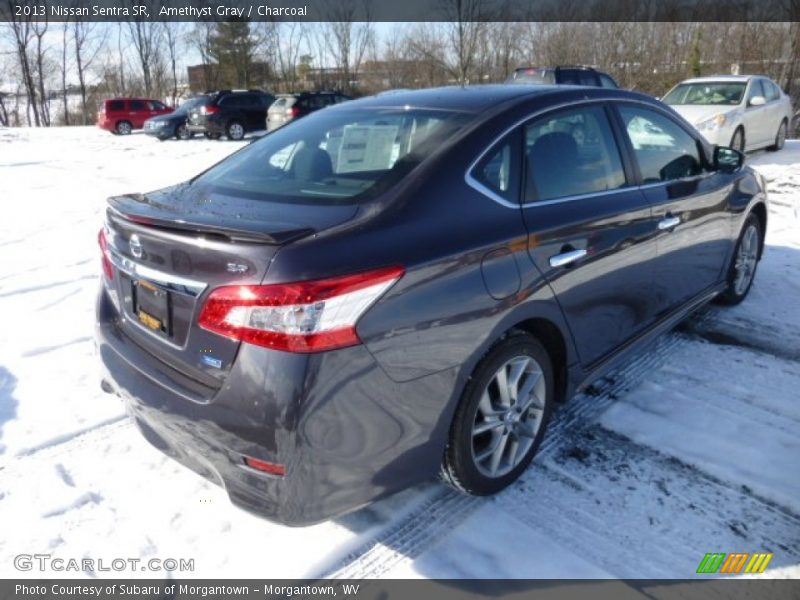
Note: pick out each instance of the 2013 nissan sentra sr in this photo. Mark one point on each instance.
(407, 285)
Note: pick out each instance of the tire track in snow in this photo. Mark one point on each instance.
(405, 540)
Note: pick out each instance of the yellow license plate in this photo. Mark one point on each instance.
(149, 320)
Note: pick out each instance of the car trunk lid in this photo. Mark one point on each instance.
(171, 248)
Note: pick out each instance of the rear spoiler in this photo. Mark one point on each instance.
(116, 212)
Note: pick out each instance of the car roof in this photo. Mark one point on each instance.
(477, 98)
(721, 78)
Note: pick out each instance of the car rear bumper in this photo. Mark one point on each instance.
(346, 433)
(213, 127)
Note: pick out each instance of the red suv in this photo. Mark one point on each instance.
(123, 115)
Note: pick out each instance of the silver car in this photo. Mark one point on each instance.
(745, 112)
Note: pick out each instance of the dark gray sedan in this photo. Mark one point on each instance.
(407, 286)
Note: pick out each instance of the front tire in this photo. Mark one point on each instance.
(737, 141)
(780, 137)
(502, 417)
(743, 265)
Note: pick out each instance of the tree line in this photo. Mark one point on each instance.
(57, 73)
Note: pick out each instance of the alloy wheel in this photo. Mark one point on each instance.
(508, 416)
(124, 128)
(235, 131)
(746, 259)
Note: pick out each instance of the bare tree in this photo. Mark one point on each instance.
(145, 38)
(39, 30)
(64, 68)
(88, 40)
(22, 31)
(289, 40)
(345, 39)
(173, 37)
(465, 26)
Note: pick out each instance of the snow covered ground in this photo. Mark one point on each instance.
(693, 447)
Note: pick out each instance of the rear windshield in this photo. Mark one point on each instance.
(532, 75)
(284, 101)
(340, 156)
(706, 93)
(191, 103)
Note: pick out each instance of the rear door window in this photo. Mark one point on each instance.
(571, 153)
(773, 93)
(663, 149)
(137, 105)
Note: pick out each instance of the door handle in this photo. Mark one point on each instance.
(566, 258)
(669, 223)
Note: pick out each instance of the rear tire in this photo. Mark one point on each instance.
(124, 128)
(742, 270)
(780, 137)
(183, 133)
(737, 141)
(496, 433)
(235, 131)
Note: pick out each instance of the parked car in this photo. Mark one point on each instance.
(231, 113)
(173, 125)
(746, 112)
(300, 324)
(288, 107)
(563, 75)
(123, 115)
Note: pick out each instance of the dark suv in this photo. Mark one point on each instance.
(288, 107)
(231, 113)
(409, 284)
(564, 75)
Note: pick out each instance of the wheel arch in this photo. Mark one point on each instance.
(760, 211)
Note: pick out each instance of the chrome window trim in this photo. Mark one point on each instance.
(479, 187)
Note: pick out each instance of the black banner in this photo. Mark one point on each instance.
(403, 10)
(521, 589)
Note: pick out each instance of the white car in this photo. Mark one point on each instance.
(745, 112)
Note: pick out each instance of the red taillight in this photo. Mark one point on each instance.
(108, 268)
(306, 316)
(209, 110)
(265, 467)
(294, 111)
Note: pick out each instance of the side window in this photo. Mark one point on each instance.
(156, 105)
(571, 153)
(137, 105)
(587, 78)
(606, 81)
(663, 149)
(231, 101)
(116, 105)
(568, 77)
(499, 169)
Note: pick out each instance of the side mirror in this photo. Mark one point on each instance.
(727, 160)
(757, 101)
